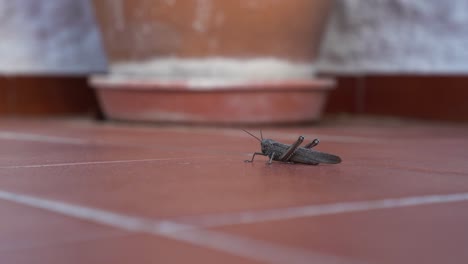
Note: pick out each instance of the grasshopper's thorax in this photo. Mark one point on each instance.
(267, 146)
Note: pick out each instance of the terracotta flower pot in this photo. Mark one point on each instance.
(245, 61)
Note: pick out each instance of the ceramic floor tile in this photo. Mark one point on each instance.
(28, 228)
(175, 188)
(191, 174)
(143, 249)
(422, 234)
(14, 153)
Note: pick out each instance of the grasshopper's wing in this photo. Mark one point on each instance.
(323, 157)
(309, 156)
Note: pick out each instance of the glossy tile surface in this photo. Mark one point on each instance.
(114, 192)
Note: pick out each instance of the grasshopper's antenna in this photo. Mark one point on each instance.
(261, 135)
(251, 134)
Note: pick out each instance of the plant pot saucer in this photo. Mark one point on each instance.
(211, 101)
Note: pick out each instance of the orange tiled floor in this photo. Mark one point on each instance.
(75, 191)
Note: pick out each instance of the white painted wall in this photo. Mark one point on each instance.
(397, 36)
(49, 36)
(364, 36)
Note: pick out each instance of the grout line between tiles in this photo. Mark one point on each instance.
(77, 141)
(259, 216)
(68, 240)
(227, 243)
(239, 132)
(443, 172)
(10, 135)
(99, 162)
(419, 169)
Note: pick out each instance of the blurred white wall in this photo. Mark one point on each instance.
(397, 36)
(49, 36)
(364, 36)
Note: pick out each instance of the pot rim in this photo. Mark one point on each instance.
(211, 85)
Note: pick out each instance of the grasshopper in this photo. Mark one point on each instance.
(293, 153)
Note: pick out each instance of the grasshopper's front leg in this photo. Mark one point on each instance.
(290, 151)
(256, 153)
(272, 156)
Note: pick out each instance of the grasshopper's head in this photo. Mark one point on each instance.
(267, 146)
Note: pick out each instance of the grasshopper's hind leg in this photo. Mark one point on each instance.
(290, 151)
(256, 153)
(312, 144)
